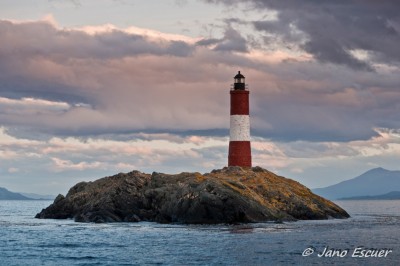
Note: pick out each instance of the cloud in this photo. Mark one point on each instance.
(99, 80)
(148, 34)
(332, 30)
(26, 106)
(104, 76)
(232, 41)
(75, 159)
(62, 165)
(318, 164)
(13, 170)
(61, 44)
(207, 42)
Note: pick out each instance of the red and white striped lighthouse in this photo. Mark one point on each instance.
(239, 142)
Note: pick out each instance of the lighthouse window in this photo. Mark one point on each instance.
(239, 80)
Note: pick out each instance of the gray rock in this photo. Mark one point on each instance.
(228, 195)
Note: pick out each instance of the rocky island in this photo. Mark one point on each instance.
(228, 195)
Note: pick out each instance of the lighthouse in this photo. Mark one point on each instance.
(239, 139)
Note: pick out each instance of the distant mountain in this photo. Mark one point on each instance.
(377, 181)
(8, 195)
(38, 196)
(394, 195)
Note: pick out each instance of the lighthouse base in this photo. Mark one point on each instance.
(239, 153)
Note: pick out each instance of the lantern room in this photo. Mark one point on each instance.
(239, 82)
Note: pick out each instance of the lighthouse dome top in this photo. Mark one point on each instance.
(239, 76)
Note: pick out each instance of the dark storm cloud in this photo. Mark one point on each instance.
(332, 29)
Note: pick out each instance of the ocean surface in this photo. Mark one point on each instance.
(374, 225)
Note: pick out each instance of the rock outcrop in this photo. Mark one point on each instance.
(229, 195)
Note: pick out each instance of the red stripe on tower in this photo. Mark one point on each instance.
(239, 142)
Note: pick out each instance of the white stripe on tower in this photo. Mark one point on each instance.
(240, 128)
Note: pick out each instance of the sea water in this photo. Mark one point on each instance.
(374, 225)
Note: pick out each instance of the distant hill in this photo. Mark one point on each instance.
(375, 182)
(38, 196)
(8, 195)
(394, 195)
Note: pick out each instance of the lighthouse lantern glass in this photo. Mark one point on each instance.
(239, 80)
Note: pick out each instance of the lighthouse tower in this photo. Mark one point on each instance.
(239, 142)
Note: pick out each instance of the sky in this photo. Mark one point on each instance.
(93, 88)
